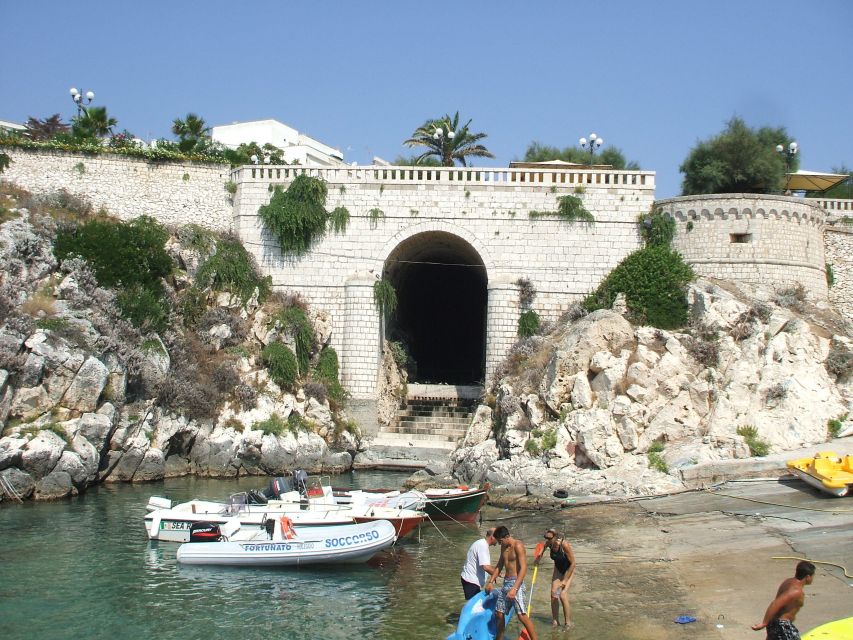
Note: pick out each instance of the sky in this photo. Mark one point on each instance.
(652, 78)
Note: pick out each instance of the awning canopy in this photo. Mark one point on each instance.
(812, 181)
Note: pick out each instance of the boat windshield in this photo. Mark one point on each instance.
(237, 503)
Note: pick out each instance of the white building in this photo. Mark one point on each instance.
(11, 127)
(296, 146)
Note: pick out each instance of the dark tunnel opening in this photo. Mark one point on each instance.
(440, 282)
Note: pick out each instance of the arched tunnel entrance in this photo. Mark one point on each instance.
(440, 282)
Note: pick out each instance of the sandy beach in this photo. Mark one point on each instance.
(707, 554)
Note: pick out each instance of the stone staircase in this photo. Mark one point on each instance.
(428, 427)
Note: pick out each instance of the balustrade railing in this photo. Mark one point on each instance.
(838, 206)
(450, 175)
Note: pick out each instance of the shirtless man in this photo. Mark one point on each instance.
(780, 615)
(514, 560)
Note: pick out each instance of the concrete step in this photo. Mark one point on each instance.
(461, 413)
(462, 424)
(440, 431)
(420, 439)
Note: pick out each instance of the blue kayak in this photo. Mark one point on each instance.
(477, 620)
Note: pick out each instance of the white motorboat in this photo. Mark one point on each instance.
(277, 543)
(311, 504)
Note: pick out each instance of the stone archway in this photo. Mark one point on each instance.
(441, 286)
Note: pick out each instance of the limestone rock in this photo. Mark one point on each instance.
(581, 396)
(599, 331)
(218, 335)
(29, 403)
(85, 390)
(42, 453)
(319, 413)
(95, 428)
(11, 449)
(54, 486)
(535, 410)
(596, 436)
(20, 481)
(151, 467)
(480, 428)
(471, 464)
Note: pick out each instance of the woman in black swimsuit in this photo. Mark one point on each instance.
(564, 568)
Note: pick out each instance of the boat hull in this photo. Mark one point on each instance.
(838, 492)
(353, 543)
(403, 526)
(458, 507)
(838, 630)
(477, 620)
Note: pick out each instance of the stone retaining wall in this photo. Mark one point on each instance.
(175, 193)
(838, 240)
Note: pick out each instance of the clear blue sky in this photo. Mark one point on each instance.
(651, 78)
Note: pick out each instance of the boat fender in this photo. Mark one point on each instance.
(287, 531)
(462, 487)
(561, 494)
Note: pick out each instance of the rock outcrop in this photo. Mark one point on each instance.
(627, 408)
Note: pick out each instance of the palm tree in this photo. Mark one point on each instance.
(190, 131)
(447, 141)
(46, 128)
(93, 123)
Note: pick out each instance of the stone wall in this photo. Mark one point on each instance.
(758, 239)
(175, 193)
(487, 209)
(838, 240)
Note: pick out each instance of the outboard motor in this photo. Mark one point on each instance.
(256, 497)
(205, 532)
(277, 487)
(300, 479)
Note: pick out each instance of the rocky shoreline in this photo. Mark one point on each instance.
(592, 406)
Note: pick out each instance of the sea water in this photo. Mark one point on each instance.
(84, 568)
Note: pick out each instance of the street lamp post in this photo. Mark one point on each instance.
(78, 98)
(439, 136)
(594, 143)
(788, 155)
(256, 160)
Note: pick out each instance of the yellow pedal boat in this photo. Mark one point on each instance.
(827, 471)
(838, 630)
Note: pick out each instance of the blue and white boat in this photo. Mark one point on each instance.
(277, 543)
(477, 620)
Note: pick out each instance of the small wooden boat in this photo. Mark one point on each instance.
(460, 504)
(277, 543)
(838, 630)
(477, 620)
(829, 472)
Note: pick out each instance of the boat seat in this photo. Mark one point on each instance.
(847, 464)
(825, 467)
(230, 527)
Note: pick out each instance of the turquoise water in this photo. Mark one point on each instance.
(84, 568)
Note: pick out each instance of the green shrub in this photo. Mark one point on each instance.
(293, 320)
(120, 254)
(5, 161)
(385, 297)
(757, 446)
(231, 268)
(339, 219)
(52, 324)
(654, 281)
(328, 372)
(281, 364)
(235, 424)
(528, 323)
(274, 425)
(192, 304)
(830, 276)
(375, 214)
(128, 256)
(532, 447)
(231, 187)
(349, 425)
(297, 423)
(399, 352)
(569, 208)
(197, 238)
(143, 308)
(656, 461)
(833, 426)
(297, 217)
(657, 229)
(549, 439)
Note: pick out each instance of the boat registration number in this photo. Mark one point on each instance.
(168, 525)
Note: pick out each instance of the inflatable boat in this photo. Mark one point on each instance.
(278, 543)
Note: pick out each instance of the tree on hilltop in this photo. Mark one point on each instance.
(737, 160)
(192, 132)
(46, 128)
(538, 152)
(446, 141)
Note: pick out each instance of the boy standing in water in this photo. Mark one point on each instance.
(780, 615)
(512, 593)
